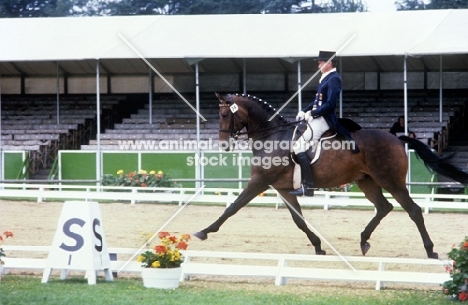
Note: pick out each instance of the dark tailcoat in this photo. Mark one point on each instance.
(328, 94)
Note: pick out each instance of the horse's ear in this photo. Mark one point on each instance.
(219, 96)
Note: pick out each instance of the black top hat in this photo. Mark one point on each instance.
(325, 55)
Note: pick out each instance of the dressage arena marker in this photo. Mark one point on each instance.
(160, 229)
(310, 79)
(316, 232)
(79, 242)
(161, 76)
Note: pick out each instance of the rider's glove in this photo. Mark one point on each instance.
(307, 115)
(300, 115)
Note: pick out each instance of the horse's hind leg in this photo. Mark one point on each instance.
(415, 213)
(296, 213)
(374, 193)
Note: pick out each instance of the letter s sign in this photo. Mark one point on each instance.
(78, 238)
(97, 223)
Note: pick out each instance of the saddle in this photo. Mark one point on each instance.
(313, 153)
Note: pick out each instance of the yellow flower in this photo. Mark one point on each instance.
(120, 172)
(152, 172)
(160, 173)
(140, 258)
(155, 264)
(142, 171)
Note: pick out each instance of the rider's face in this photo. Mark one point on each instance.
(324, 66)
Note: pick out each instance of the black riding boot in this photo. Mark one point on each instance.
(307, 186)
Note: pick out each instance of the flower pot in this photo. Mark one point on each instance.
(162, 278)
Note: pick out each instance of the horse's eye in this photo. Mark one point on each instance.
(224, 115)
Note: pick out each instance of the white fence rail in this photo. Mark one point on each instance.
(279, 266)
(41, 192)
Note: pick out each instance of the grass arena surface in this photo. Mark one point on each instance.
(252, 229)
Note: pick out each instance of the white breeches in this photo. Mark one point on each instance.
(319, 126)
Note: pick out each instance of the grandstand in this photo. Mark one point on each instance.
(40, 126)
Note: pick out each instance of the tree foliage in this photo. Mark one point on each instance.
(343, 6)
(35, 8)
(54, 8)
(198, 7)
(447, 4)
(408, 5)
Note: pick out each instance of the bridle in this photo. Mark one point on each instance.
(232, 133)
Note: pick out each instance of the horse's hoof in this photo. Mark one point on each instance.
(365, 248)
(320, 252)
(433, 255)
(200, 235)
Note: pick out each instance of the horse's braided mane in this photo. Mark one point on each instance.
(264, 104)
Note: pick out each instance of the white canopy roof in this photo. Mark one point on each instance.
(192, 37)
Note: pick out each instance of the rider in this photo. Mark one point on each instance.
(320, 116)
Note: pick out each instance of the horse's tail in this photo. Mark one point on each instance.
(440, 165)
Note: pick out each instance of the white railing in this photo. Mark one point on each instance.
(279, 267)
(224, 196)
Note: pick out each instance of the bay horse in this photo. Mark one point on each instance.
(382, 163)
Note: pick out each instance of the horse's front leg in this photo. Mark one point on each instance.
(254, 187)
(296, 213)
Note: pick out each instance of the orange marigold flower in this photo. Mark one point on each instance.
(185, 237)
(160, 249)
(143, 185)
(163, 234)
(8, 233)
(182, 245)
(463, 296)
(172, 239)
(465, 245)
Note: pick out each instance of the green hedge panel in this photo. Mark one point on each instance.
(78, 165)
(13, 161)
(220, 166)
(113, 162)
(173, 164)
(419, 173)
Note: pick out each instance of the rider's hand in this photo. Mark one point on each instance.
(307, 115)
(300, 115)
